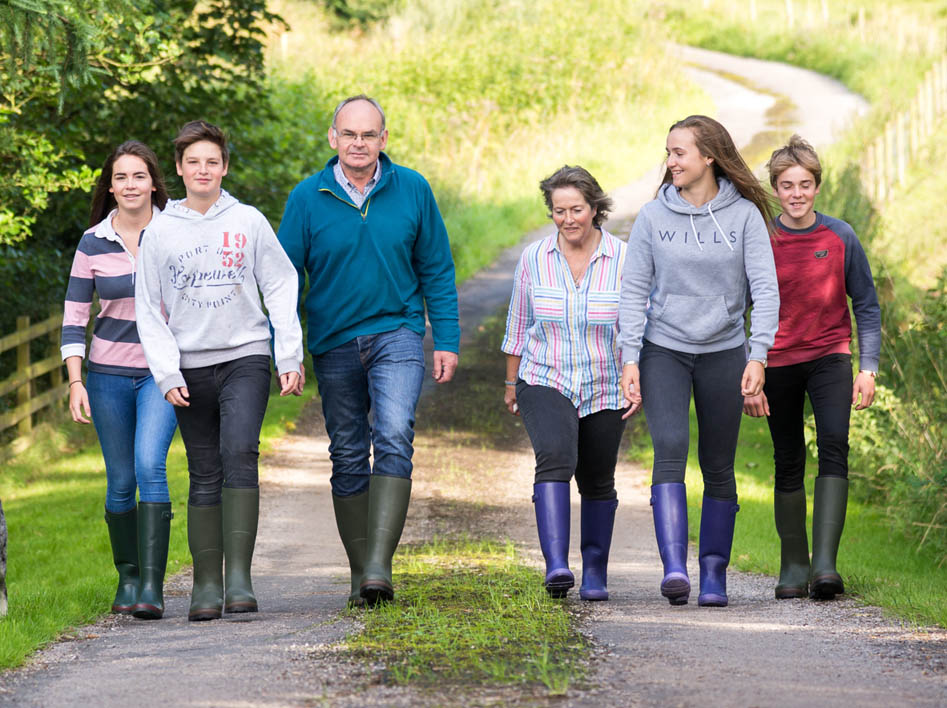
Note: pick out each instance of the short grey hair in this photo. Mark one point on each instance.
(360, 97)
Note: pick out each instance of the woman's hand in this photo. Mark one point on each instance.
(178, 397)
(864, 385)
(756, 406)
(631, 388)
(754, 376)
(509, 398)
(79, 403)
(289, 383)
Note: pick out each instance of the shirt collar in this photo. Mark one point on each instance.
(605, 246)
(342, 179)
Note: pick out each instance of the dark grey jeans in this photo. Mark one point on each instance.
(667, 379)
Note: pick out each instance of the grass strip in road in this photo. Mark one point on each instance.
(471, 613)
(60, 571)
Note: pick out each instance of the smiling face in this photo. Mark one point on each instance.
(796, 189)
(689, 169)
(202, 168)
(572, 215)
(131, 183)
(358, 137)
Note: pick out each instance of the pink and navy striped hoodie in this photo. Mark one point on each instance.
(103, 265)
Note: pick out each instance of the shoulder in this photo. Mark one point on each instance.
(310, 185)
(406, 178)
(841, 228)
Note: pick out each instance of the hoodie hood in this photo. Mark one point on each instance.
(727, 194)
(176, 208)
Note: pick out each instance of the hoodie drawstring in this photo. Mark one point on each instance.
(694, 230)
(722, 233)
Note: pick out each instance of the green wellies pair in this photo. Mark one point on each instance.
(225, 531)
(370, 525)
(797, 578)
(139, 541)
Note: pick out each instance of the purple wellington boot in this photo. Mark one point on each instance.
(598, 520)
(669, 506)
(552, 522)
(717, 519)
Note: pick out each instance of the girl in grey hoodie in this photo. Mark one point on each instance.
(698, 255)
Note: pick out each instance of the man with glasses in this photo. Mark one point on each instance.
(370, 237)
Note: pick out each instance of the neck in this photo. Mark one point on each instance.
(700, 193)
(360, 176)
(201, 203)
(799, 224)
(587, 245)
(132, 220)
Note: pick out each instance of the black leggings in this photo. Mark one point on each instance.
(221, 427)
(566, 444)
(667, 377)
(828, 381)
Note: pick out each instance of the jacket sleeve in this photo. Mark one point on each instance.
(434, 266)
(161, 349)
(78, 305)
(519, 318)
(294, 237)
(636, 281)
(273, 272)
(860, 286)
(760, 270)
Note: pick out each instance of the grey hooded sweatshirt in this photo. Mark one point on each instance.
(197, 295)
(700, 267)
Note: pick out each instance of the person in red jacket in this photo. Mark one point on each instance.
(820, 264)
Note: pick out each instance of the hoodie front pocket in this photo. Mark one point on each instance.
(549, 304)
(696, 319)
(602, 307)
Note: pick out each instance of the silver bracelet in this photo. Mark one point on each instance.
(509, 383)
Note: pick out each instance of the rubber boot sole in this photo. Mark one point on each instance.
(376, 593)
(559, 584)
(826, 587)
(211, 613)
(677, 590)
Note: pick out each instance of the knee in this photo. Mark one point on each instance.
(346, 485)
(206, 494)
(596, 489)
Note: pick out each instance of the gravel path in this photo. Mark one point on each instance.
(757, 652)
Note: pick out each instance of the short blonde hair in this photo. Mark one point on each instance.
(796, 152)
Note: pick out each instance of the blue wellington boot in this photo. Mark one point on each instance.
(598, 520)
(552, 521)
(717, 519)
(669, 507)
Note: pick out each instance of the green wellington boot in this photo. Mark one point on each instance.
(154, 531)
(790, 511)
(351, 516)
(828, 520)
(388, 499)
(240, 516)
(206, 542)
(123, 535)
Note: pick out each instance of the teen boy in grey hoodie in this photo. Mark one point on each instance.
(697, 255)
(202, 265)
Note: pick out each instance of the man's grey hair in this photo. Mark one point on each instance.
(360, 97)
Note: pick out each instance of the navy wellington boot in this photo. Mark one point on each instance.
(669, 508)
(717, 520)
(552, 521)
(598, 521)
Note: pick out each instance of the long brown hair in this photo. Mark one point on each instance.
(713, 141)
(103, 201)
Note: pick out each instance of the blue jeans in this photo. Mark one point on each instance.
(379, 374)
(135, 426)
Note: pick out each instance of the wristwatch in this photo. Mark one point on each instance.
(761, 361)
(872, 374)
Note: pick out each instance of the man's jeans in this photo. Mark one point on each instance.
(135, 426)
(380, 374)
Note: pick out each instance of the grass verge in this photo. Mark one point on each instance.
(60, 571)
(470, 612)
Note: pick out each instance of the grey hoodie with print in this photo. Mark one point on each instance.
(700, 267)
(197, 294)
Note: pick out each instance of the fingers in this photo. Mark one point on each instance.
(79, 404)
(289, 383)
(445, 364)
(178, 397)
(753, 377)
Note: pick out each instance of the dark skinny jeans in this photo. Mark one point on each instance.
(667, 378)
(566, 444)
(221, 427)
(828, 381)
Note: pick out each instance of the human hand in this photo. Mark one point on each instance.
(754, 376)
(178, 397)
(756, 406)
(509, 399)
(445, 364)
(79, 403)
(631, 388)
(289, 383)
(302, 381)
(865, 387)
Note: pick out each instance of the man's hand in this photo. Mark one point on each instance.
(865, 386)
(754, 375)
(178, 397)
(631, 388)
(445, 364)
(756, 406)
(289, 383)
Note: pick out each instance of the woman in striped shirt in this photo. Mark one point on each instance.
(563, 374)
(133, 421)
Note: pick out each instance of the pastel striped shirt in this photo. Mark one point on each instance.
(567, 335)
(103, 265)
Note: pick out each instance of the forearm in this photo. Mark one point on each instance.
(512, 367)
(74, 368)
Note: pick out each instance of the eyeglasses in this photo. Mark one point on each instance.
(347, 136)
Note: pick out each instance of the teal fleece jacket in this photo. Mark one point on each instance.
(373, 269)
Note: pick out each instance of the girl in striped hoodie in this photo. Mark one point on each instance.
(133, 421)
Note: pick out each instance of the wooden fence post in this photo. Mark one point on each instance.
(902, 147)
(56, 374)
(22, 364)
